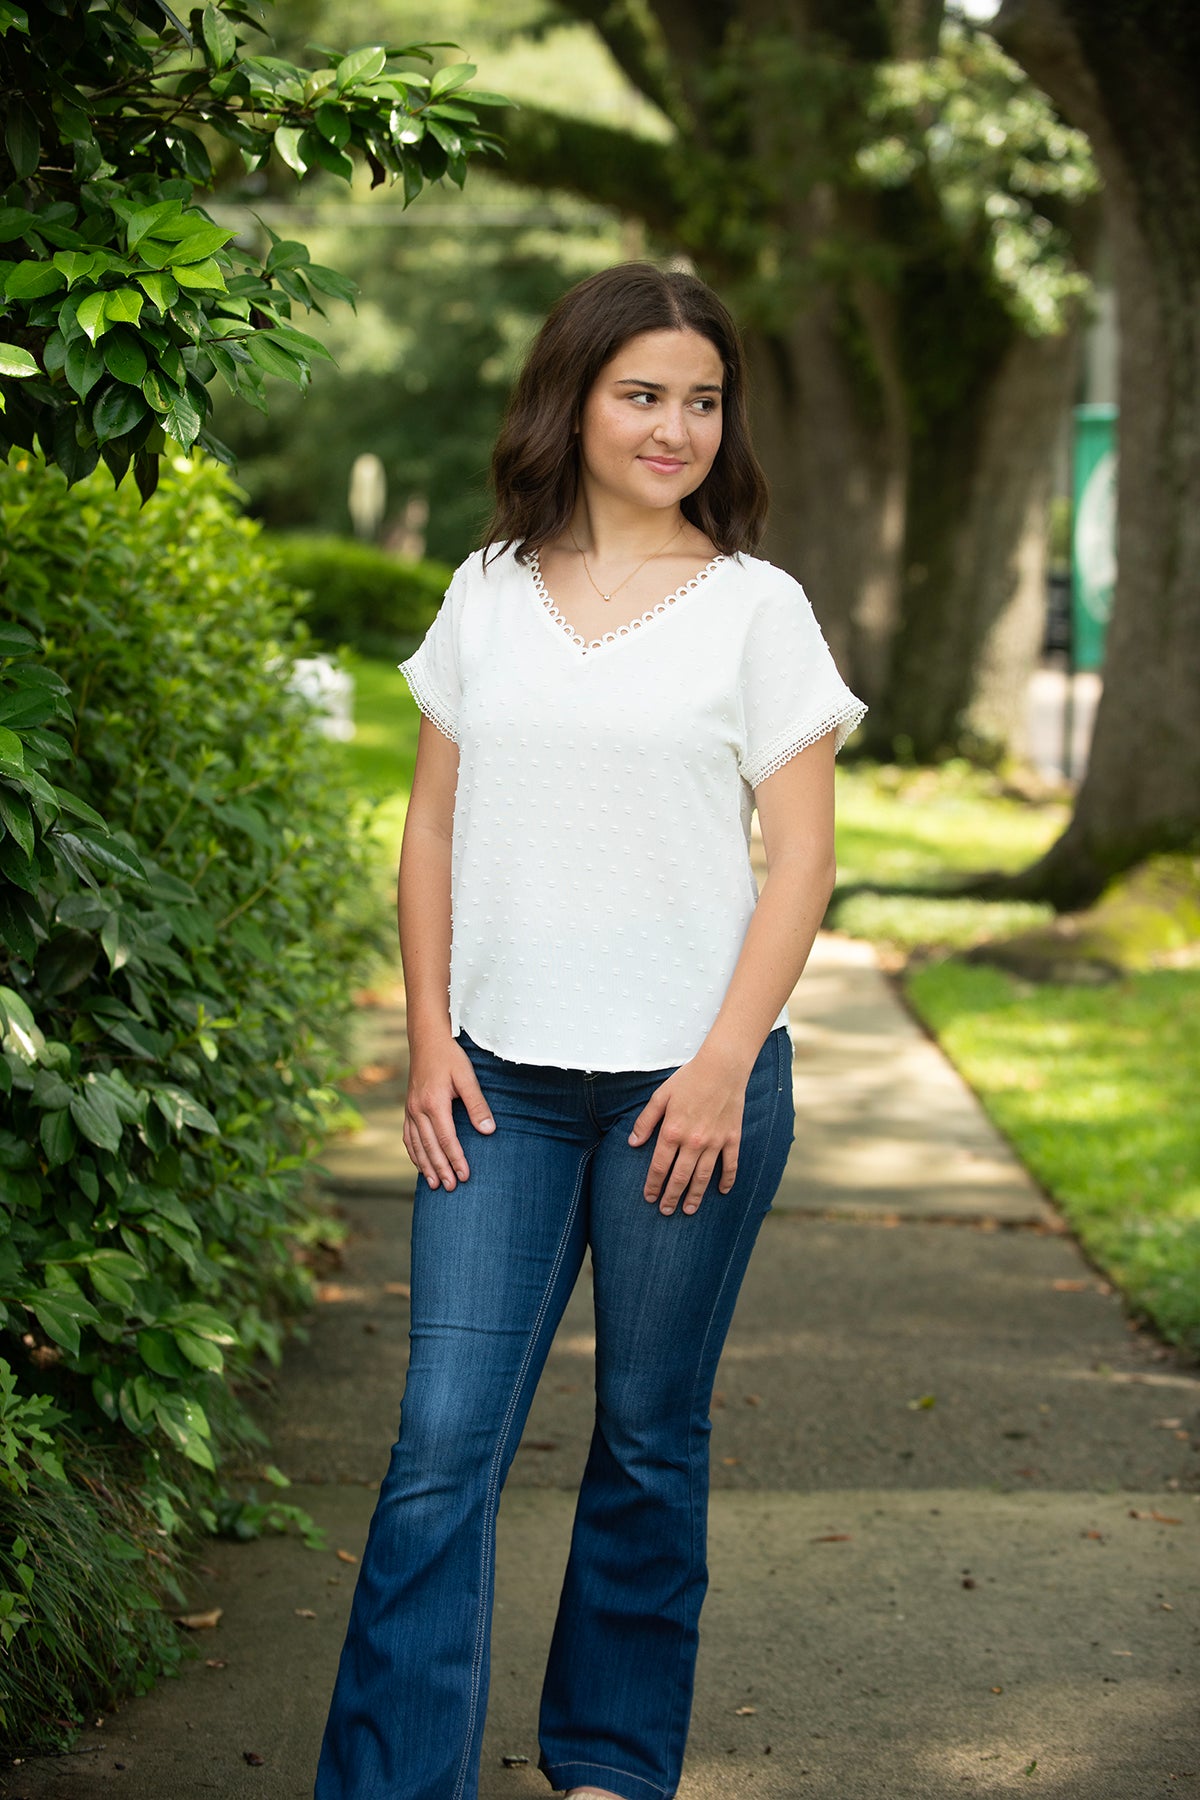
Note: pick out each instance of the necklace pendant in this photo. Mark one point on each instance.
(606, 596)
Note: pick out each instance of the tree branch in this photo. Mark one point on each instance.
(614, 168)
(621, 24)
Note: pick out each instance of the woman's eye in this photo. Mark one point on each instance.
(639, 398)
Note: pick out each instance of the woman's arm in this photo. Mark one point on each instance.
(699, 1109)
(439, 1068)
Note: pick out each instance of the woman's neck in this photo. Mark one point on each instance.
(615, 531)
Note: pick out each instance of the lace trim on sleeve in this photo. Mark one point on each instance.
(428, 701)
(842, 719)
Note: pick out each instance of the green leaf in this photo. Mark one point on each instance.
(159, 1352)
(160, 289)
(57, 1134)
(117, 411)
(177, 415)
(75, 264)
(329, 281)
(60, 1312)
(105, 852)
(200, 1352)
(206, 274)
(123, 305)
(16, 362)
(17, 819)
(360, 65)
(17, 1022)
(218, 36)
(274, 359)
(287, 142)
(454, 75)
(90, 315)
(95, 1113)
(148, 218)
(124, 357)
(15, 222)
(333, 125)
(111, 1285)
(12, 752)
(30, 280)
(22, 138)
(84, 366)
(16, 641)
(179, 1108)
(71, 803)
(50, 1091)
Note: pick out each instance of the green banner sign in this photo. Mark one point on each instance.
(1093, 531)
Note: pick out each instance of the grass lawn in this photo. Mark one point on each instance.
(1095, 1087)
(903, 834)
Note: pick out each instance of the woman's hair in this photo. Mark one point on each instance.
(535, 465)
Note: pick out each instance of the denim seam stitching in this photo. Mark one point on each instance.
(750, 1200)
(580, 1762)
(488, 1548)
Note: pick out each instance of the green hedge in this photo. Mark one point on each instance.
(359, 595)
(180, 926)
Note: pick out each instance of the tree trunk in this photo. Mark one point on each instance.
(973, 604)
(1127, 73)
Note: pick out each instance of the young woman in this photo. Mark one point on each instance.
(596, 1013)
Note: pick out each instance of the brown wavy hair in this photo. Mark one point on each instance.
(535, 465)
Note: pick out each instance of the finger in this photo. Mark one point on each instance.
(438, 1160)
(648, 1118)
(471, 1095)
(681, 1179)
(659, 1170)
(729, 1167)
(698, 1185)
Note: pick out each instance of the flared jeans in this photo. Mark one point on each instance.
(493, 1266)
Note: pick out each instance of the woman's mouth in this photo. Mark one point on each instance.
(663, 465)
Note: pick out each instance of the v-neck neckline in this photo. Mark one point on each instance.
(562, 627)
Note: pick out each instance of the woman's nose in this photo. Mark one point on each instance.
(670, 428)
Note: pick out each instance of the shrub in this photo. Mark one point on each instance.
(360, 595)
(179, 929)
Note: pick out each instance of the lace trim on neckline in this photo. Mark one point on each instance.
(586, 646)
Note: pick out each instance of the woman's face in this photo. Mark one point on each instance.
(651, 425)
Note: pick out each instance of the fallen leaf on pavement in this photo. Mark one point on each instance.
(1159, 1518)
(833, 1537)
(399, 1288)
(1168, 1424)
(201, 1621)
(253, 1758)
(304, 1612)
(752, 1399)
(745, 1712)
(1071, 1287)
(215, 1662)
(998, 1690)
(346, 1556)
(923, 1404)
(731, 1462)
(514, 1762)
(1098, 1535)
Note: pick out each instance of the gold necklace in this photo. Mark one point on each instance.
(632, 572)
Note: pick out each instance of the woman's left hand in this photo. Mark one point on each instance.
(698, 1111)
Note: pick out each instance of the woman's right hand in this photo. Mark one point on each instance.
(437, 1073)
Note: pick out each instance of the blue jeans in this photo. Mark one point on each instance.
(493, 1266)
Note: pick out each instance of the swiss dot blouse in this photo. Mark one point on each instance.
(601, 881)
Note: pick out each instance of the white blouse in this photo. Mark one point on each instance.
(601, 881)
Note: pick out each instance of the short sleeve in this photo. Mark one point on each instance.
(432, 672)
(791, 693)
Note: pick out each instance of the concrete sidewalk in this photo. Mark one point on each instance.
(955, 1519)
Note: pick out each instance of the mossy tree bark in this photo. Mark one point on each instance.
(1128, 72)
(905, 420)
